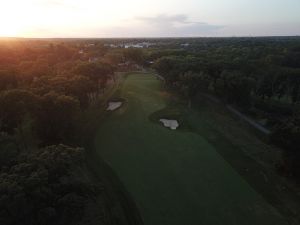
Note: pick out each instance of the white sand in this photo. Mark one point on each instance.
(173, 124)
(113, 106)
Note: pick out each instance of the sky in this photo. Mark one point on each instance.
(148, 18)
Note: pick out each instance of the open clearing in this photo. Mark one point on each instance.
(175, 177)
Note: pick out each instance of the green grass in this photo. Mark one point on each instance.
(175, 177)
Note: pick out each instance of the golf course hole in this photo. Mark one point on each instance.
(172, 124)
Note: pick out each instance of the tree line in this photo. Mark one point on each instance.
(45, 89)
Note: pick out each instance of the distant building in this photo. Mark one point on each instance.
(185, 45)
(130, 45)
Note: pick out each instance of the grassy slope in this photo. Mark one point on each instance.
(176, 177)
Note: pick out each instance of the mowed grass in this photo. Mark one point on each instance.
(175, 177)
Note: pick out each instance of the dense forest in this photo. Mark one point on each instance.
(47, 88)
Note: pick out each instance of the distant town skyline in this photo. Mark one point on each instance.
(144, 18)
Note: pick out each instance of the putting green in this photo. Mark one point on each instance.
(175, 177)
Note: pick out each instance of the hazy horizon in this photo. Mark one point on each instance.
(151, 19)
(156, 37)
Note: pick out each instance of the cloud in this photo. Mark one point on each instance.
(177, 25)
(163, 19)
(267, 29)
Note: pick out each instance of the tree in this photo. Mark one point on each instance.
(8, 149)
(192, 83)
(294, 84)
(56, 118)
(80, 87)
(97, 72)
(167, 67)
(15, 105)
(236, 87)
(134, 55)
(113, 58)
(8, 79)
(286, 135)
(40, 188)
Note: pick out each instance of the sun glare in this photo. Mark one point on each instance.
(10, 28)
(12, 18)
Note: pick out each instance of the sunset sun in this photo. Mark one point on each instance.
(13, 19)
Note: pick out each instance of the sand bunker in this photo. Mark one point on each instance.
(113, 106)
(172, 124)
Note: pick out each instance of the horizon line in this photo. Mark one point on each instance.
(158, 37)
